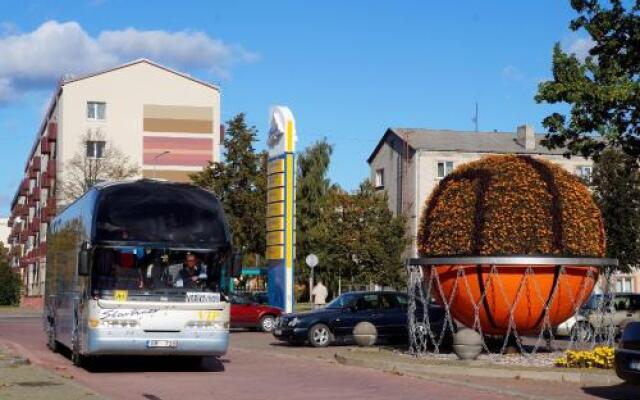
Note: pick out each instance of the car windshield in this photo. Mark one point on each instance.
(342, 301)
(153, 271)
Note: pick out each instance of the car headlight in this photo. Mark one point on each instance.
(294, 322)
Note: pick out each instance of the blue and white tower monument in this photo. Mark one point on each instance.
(281, 208)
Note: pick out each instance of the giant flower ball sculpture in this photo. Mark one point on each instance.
(509, 205)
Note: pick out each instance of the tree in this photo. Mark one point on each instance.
(312, 187)
(603, 90)
(362, 241)
(240, 183)
(616, 189)
(9, 281)
(98, 161)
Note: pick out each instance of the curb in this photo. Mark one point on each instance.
(14, 362)
(425, 370)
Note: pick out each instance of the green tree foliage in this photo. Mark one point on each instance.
(312, 188)
(602, 90)
(362, 241)
(9, 280)
(616, 187)
(240, 183)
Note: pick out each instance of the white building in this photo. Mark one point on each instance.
(167, 123)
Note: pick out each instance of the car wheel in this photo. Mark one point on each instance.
(582, 332)
(267, 323)
(319, 335)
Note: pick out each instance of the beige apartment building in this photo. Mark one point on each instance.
(165, 122)
(408, 163)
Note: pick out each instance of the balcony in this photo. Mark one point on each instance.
(45, 180)
(45, 146)
(51, 169)
(52, 131)
(35, 226)
(21, 210)
(35, 194)
(35, 164)
(24, 187)
(51, 209)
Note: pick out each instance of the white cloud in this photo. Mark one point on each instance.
(512, 72)
(35, 59)
(580, 46)
(6, 90)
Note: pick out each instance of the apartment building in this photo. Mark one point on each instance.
(165, 122)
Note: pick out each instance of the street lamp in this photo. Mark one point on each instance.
(154, 161)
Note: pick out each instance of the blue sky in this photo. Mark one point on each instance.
(347, 69)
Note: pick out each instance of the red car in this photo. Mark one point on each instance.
(247, 314)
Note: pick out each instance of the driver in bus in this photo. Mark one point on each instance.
(193, 272)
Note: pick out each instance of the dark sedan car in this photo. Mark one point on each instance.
(387, 311)
(627, 355)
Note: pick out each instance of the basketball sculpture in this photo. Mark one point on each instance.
(516, 237)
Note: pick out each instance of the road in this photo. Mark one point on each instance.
(248, 371)
(258, 367)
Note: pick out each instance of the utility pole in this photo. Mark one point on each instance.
(475, 118)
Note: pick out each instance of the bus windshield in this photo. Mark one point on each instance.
(150, 273)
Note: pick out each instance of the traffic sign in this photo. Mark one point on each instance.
(312, 260)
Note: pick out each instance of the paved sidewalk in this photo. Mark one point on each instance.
(519, 382)
(21, 381)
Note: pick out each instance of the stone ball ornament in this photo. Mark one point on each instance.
(512, 242)
(365, 334)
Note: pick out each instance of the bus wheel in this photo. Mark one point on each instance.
(76, 357)
(52, 343)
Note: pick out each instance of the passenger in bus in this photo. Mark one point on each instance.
(127, 273)
(192, 274)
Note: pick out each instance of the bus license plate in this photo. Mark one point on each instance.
(634, 365)
(200, 297)
(162, 343)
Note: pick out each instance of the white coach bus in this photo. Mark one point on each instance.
(137, 268)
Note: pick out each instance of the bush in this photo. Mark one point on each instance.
(9, 286)
(511, 205)
(599, 357)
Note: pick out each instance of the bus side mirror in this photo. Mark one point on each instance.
(236, 265)
(83, 260)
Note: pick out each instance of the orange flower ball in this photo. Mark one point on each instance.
(511, 205)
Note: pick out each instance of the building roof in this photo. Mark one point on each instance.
(462, 141)
(134, 62)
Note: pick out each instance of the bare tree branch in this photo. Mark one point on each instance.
(83, 172)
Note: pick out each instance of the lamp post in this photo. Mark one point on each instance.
(154, 161)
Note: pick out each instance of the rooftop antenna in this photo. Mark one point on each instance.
(475, 118)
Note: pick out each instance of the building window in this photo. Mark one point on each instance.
(379, 180)
(95, 149)
(444, 168)
(624, 284)
(584, 172)
(96, 110)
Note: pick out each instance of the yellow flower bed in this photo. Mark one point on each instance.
(599, 357)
